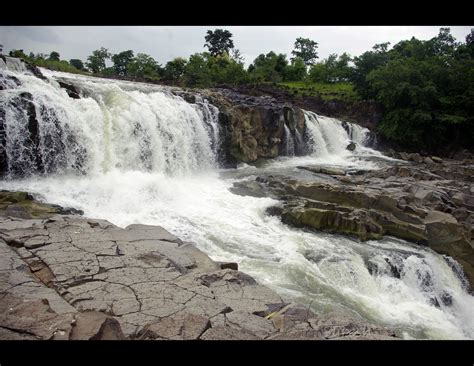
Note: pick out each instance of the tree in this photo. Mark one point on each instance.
(96, 61)
(296, 71)
(77, 63)
(53, 56)
(197, 72)
(174, 69)
(364, 64)
(444, 43)
(306, 50)
(269, 67)
(236, 55)
(219, 41)
(121, 61)
(144, 66)
(17, 53)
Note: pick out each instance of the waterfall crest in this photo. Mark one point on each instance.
(113, 125)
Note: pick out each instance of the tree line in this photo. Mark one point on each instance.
(425, 87)
(221, 64)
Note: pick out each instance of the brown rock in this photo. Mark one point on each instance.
(93, 325)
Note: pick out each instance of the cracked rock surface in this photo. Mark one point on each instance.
(70, 277)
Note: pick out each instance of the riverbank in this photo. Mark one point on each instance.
(71, 277)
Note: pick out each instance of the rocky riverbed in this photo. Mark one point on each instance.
(65, 276)
(425, 200)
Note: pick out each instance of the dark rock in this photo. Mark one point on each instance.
(229, 265)
(351, 147)
(71, 90)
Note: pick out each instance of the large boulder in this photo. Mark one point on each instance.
(256, 127)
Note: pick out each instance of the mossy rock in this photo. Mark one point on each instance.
(23, 205)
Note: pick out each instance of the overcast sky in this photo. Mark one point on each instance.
(167, 42)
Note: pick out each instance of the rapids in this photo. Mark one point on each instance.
(135, 153)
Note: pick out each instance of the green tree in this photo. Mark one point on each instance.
(96, 61)
(270, 67)
(305, 48)
(219, 41)
(364, 64)
(427, 90)
(144, 66)
(318, 73)
(54, 56)
(17, 53)
(197, 72)
(296, 71)
(121, 61)
(77, 63)
(174, 69)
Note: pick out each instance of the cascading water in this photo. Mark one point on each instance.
(329, 137)
(149, 157)
(114, 127)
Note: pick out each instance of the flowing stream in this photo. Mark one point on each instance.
(135, 153)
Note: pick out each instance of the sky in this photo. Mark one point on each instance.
(164, 43)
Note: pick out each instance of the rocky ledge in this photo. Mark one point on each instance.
(70, 277)
(425, 200)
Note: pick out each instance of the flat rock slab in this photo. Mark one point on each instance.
(68, 277)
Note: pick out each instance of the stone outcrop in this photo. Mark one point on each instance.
(256, 127)
(426, 202)
(364, 113)
(70, 277)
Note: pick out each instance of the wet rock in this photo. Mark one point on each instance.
(254, 127)
(351, 147)
(71, 90)
(228, 265)
(323, 170)
(427, 203)
(248, 188)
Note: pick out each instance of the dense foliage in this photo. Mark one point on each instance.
(426, 88)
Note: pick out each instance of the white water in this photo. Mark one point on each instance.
(189, 196)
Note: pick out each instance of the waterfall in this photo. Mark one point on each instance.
(289, 142)
(330, 136)
(12, 64)
(147, 156)
(114, 126)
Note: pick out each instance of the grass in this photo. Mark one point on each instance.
(327, 91)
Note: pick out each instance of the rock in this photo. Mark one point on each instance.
(323, 170)
(71, 90)
(69, 277)
(297, 322)
(356, 223)
(92, 325)
(178, 326)
(248, 188)
(351, 147)
(254, 127)
(226, 333)
(409, 202)
(258, 326)
(228, 265)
